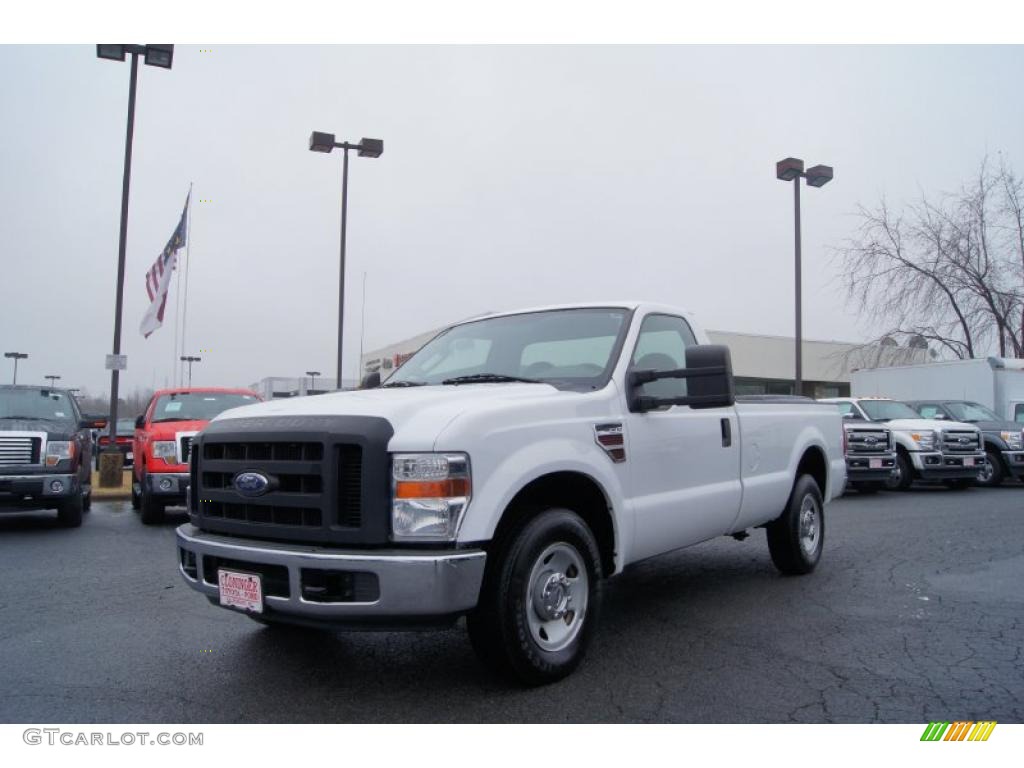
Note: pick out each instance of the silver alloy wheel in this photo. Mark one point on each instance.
(986, 471)
(810, 525)
(556, 596)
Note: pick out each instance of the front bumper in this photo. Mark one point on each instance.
(859, 469)
(412, 586)
(167, 484)
(37, 491)
(932, 465)
(1014, 461)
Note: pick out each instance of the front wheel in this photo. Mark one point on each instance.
(796, 538)
(152, 510)
(991, 473)
(904, 474)
(540, 599)
(69, 513)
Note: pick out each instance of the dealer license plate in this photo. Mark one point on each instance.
(240, 590)
(969, 461)
(129, 456)
(874, 463)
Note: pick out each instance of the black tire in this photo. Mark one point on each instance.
(993, 473)
(786, 535)
(958, 485)
(87, 501)
(136, 497)
(69, 512)
(500, 628)
(152, 509)
(904, 475)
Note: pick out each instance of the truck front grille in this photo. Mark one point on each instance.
(185, 449)
(327, 479)
(19, 450)
(961, 441)
(867, 441)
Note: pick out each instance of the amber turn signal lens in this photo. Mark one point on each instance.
(433, 489)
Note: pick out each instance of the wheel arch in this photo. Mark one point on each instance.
(570, 489)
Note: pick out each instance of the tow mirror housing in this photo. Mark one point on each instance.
(708, 376)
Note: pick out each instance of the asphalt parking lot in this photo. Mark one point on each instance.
(915, 614)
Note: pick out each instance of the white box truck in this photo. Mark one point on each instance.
(995, 382)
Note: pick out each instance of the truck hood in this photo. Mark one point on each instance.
(169, 430)
(417, 414)
(998, 426)
(54, 430)
(909, 425)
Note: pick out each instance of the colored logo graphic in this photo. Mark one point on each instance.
(959, 731)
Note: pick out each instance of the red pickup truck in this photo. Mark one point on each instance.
(163, 436)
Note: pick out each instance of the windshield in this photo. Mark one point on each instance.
(197, 406)
(569, 348)
(971, 412)
(39, 404)
(885, 410)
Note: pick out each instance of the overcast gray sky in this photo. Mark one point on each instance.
(511, 176)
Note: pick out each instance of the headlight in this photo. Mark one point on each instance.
(926, 441)
(429, 494)
(58, 450)
(166, 450)
(1012, 439)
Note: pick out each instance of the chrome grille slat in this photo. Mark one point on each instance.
(19, 450)
(953, 441)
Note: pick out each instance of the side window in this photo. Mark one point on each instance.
(927, 411)
(1018, 413)
(846, 408)
(661, 346)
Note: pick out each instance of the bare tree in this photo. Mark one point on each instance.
(949, 270)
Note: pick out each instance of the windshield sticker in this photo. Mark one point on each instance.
(210, 399)
(59, 414)
(172, 407)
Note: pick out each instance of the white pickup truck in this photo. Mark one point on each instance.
(502, 473)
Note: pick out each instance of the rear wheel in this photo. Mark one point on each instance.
(152, 509)
(69, 512)
(540, 598)
(796, 538)
(992, 472)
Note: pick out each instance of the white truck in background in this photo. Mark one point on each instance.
(995, 382)
(504, 471)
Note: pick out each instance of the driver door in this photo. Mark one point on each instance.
(684, 463)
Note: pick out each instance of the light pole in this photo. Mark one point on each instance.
(154, 56)
(190, 359)
(15, 356)
(53, 380)
(324, 142)
(792, 169)
(312, 375)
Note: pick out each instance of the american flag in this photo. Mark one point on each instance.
(158, 277)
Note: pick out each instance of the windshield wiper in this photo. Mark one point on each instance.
(33, 418)
(488, 378)
(404, 384)
(173, 418)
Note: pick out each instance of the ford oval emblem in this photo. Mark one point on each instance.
(251, 483)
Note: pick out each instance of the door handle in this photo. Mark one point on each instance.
(726, 433)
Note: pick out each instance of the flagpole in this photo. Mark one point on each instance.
(177, 295)
(188, 262)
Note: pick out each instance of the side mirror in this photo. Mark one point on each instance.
(370, 381)
(86, 424)
(140, 422)
(938, 416)
(708, 376)
(852, 416)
